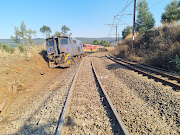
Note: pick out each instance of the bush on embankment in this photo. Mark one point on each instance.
(160, 47)
(6, 48)
(20, 50)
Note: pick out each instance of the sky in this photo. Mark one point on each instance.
(85, 18)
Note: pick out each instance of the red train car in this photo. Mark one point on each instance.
(91, 48)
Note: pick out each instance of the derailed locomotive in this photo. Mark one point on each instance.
(61, 49)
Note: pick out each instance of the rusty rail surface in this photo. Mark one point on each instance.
(134, 66)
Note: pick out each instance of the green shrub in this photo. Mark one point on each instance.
(177, 62)
(0, 45)
(7, 48)
(11, 49)
(21, 48)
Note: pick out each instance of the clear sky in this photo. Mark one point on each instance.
(85, 18)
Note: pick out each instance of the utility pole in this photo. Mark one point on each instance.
(114, 25)
(133, 25)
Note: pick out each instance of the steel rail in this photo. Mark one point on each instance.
(124, 131)
(145, 73)
(61, 121)
(151, 70)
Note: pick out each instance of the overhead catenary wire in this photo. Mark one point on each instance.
(124, 8)
(121, 15)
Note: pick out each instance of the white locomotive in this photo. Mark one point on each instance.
(61, 48)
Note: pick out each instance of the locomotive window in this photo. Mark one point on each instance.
(64, 41)
(50, 43)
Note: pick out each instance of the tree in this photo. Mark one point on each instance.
(102, 42)
(145, 20)
(172, 12)
(126, 31)
(95, 42)
(20, 33)
(16, 38)
(30, 33)
(46, 30)
(57, 33)
(65, 29)
(7, 48)
(23, 32)
(86, 42)
(105, 43)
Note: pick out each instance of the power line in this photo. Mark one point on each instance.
(124, 8)
(114, 25)
(156, 4)
(121, 15)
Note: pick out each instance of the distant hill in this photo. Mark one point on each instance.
(40, 41)
(89, 40)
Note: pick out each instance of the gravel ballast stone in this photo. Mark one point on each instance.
(145, 106)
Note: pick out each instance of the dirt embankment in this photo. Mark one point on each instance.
(21, 74)
(158, 47)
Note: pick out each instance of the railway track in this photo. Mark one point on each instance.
(155, 74)
(88, 109)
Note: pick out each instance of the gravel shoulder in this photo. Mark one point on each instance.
(145, 106)
(38, 111)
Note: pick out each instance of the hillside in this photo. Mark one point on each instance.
(23, 72)
(9, 42)
(160, 47)
(84, 39)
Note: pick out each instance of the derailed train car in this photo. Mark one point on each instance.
(61, 49)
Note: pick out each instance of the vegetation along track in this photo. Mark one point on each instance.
(88, 109)
(165, 78)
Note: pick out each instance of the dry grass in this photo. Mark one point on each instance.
(158, 47)
(28, 52)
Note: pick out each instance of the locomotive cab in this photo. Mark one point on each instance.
(58, 51)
